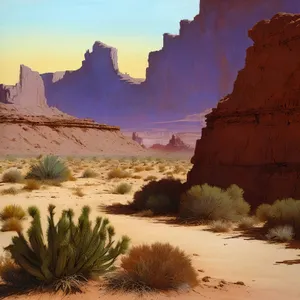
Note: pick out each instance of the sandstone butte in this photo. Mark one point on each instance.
(29, 126)
(252, 138)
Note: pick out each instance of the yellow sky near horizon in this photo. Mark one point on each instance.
(66, 53)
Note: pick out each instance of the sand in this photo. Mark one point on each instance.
(220, 256)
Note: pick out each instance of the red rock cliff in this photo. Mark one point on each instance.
(252, 138)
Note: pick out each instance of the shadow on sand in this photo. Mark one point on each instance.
(255, 233)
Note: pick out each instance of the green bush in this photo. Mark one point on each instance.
(207, 202)
(284, 212)
(123, 188)
(262, 212)
(49, 168)
(72, 254)
(12, 176)
(166, 190)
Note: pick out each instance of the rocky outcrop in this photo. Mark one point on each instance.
(28, 92)
(252, 137)
(137, 138)
(192, 70)
(175, 144)
(59, 134)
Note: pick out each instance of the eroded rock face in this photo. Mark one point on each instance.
(174, 144)
(28, 92)
(252, 137)
(192, 70)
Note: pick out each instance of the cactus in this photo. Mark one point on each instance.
(73, 253)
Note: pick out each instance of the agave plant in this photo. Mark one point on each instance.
(49, 168)
(73, 253)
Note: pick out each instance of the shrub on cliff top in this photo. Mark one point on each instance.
(154, 267)
(162, 196)
(205, 202)
(73, 253)
(49, 168)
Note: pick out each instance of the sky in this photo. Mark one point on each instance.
(53, 35)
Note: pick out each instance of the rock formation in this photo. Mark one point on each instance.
(252, 137)
(136, 138)
(29, 126)
(192, 70)
(28, 92)
(175, 144)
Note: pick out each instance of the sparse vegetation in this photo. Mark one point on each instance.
(12, 176)
(31, 185)
(123, 188)
(154, 268)
(221, 226)
(163, 189)
(139, 169)
(118, 173)
(150, 178)
(89, 173)
(247, 223)
(207, 202)
(78, 192)
(281, 233)
(12, 211)
(49, 168)
(73, 253)
(10, 191)
(285, 212)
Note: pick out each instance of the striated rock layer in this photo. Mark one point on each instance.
(252, 137)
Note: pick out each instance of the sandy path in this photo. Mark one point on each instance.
(220, 256)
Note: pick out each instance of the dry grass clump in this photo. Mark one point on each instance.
(281, 233)
(89, 173)
(179, 169)
(262, 212)
(154, 267)
(205, 202)
(150, 178)
(118, 173)
(12, 224)
(285, 212)
(12, 176)
(78, 192)
(149, 168)
(162, 168)
(247, 223)
(10, 191)
(123, 188)
(136, 176)
(31, 185)
(221, 226)
(12, 211)
(139, 169)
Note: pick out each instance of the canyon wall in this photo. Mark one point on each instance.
(190, 73)
(252, 137)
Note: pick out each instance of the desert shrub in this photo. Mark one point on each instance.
(154, 267)
(88, 173)
(73, 253)
(163, 189)
(10, 191)
(247, 223)
(12, 211)
(149, 168)
(78, 192)
(262, 212)
(49, 168)
(139, 169)
(150, 178)
(32, 184)
(207, 202)
(285, 212)
(158, 204)
(162, 168)
(12, 176)
(118, 173)
(136, 177)
(220, 226)
(122, 188)
(178, 169)
(281, 233)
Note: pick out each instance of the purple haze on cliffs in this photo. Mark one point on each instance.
(189, 74)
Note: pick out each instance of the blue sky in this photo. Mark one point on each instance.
(52, 28)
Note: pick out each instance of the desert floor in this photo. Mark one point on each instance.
(269, 271)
